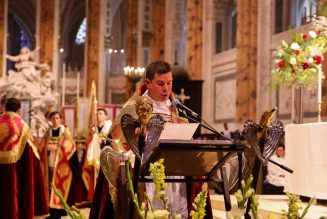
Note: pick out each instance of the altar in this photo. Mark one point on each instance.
(306, 154)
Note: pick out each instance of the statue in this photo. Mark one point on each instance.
(33, 81)
(25, 63)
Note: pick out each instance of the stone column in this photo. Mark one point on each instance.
(56, 37)
(246, 92)
(139, 34)
(132, 40)
(265, 94)
(47, 26)
(169, 31)
(131, 43)
(158, 30)
(92, 43)
(175, 32)
(3, 35)
(102, 53)
(207, 53)
(194, 24)
(37, 30)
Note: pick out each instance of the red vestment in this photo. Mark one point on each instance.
(67, 173)
(23, 190)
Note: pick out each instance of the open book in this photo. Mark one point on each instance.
(184, 131)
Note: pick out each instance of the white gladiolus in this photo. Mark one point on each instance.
(161, 214)
(295, 46)
(312, 34)
(284, 43)
(310, 60)
(293, 61)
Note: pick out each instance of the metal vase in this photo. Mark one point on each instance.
(297, 104)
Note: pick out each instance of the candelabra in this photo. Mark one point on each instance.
(133, 75)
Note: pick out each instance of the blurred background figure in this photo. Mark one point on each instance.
(94, 145)
(275, 179)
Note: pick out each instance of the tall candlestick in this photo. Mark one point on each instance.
(63, 84)
(78, 84)
(319, 92)
(319, 83)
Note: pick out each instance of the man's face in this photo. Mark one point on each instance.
(101, 116)
(160, 86)
(55, 119)
(280, 152)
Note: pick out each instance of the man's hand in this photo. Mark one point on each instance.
(101, 139)
(52, 147)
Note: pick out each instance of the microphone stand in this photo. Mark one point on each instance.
(210, 128)
(206, 125)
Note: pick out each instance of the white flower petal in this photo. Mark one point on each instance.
(293, 61)
(295, 46)
(312, 34)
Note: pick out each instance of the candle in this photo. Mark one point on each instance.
(319, 83)
(78, 84)
(63, 84)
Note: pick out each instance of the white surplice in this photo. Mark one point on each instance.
(176, 192)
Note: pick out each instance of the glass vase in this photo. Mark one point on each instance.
(297, 103)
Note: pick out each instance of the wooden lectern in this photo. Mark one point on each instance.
(191, 158)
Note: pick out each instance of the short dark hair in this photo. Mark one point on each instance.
(12, 105)
(54, 113)
(159, 67)
(104, 110)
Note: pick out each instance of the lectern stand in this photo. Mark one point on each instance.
(195, 160)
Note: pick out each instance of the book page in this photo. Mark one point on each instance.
(184, 131)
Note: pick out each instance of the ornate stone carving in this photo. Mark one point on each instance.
(34, 81)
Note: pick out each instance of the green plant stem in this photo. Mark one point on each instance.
(305, 211)
(73, 212)
(131, 189)
(151, 203)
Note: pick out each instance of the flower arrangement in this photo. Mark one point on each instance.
(157, 171)
(294, 207)
(242, 196)
(246, 193)
(298, 62)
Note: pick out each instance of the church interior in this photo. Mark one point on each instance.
(71, 55)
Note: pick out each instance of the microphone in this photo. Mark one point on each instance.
(179, 105)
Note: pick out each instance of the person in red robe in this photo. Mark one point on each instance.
(60, 167)
(158, 86)
(23, 190)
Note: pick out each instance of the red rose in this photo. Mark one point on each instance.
(305, 36)
(297, 52)
(305, 65)
(281, 63)
(318, 32)
(318, 60)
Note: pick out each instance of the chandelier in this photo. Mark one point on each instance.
(134, 74)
